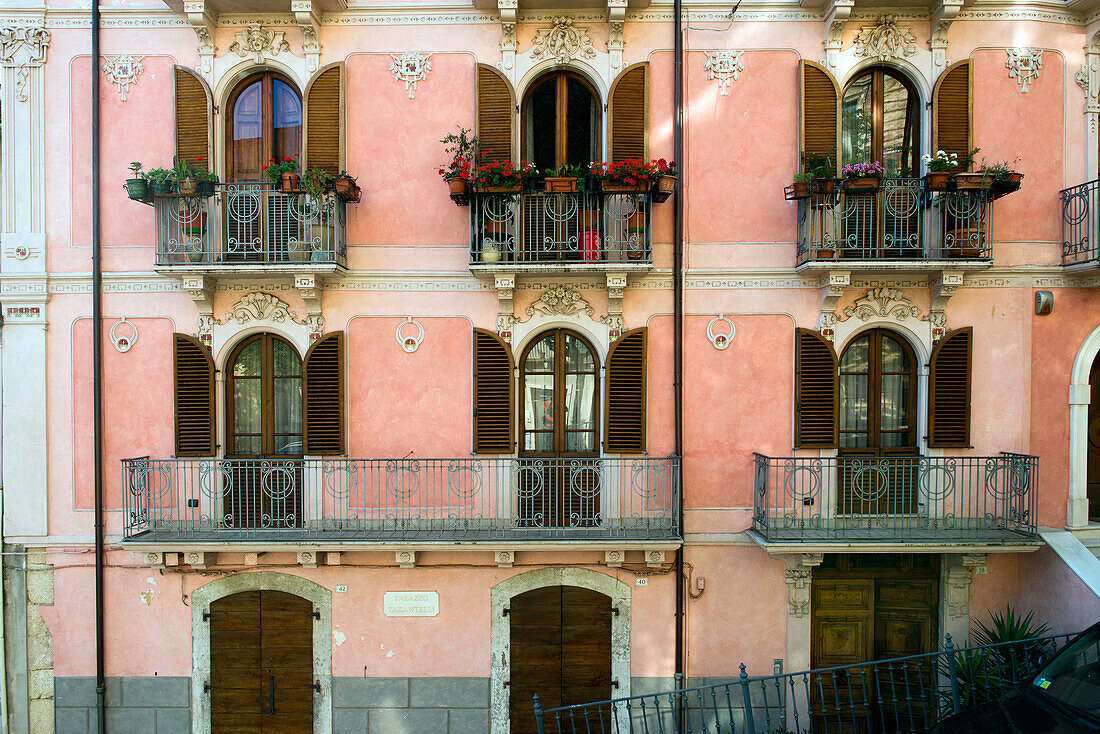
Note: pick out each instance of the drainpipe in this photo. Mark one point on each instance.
(678, 316)
(97, 385)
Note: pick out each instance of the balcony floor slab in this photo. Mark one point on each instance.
(931, 543)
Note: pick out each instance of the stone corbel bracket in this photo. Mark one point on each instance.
(310, 290)
(616, 17)
(832, 288)
(942, 17)
(203, 20)
(506, 287)
(797, 575)
(201, 290)
(509, 16)
(940, 291)
(837, 13)
(616, 285)
(308, 17)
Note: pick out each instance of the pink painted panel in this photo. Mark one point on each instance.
(1056, 595)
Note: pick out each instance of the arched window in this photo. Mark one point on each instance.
(881, 122)
(559, 396)
(265, 121)
(878, 381)
(561, 122)
(264, 387)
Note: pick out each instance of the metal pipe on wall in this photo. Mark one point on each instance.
(678, 316)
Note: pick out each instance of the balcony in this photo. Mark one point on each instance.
(399, 500)
(1081, 226)
(914, 500)
(539, 232)
(903, 225)
(249, 227)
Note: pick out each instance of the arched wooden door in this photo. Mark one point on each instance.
(1093, 461)
(261, 664)
(561, 650)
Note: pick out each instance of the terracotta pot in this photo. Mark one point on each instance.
(972, 181)
(937, 180)
(796, 191)
(188, 187)
(561, 184)
(823, 254)
(289, 182)
(861, 184)
(823, 185)
(457, 186)
(514, 189)
(347, 190)
(608, 187)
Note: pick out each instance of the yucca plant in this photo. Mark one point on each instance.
(1014, 637)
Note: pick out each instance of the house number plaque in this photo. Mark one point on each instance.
(410, 603)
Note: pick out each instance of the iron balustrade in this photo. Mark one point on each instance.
(400, 499)
(249, 224)
(893, 696)
(1080, 224)
(902, 220)
(544, 228)
(898, 498)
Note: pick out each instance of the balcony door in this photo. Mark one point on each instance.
(878, 431)
(264, 427)
(881, 122)
(265, 122)
(559, 401)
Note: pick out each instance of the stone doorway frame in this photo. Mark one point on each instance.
(201, 598)
(1080, 395)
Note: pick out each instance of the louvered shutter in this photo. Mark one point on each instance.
(951, 112)
(323, 386)
(192, 117)
(629, 114)
(949, 390)
(194, 397)
(816, 386)
(625, 393)
(493, 422)
(819, 118)
(324, 120)
(495, 113)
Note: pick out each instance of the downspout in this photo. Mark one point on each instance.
(97, 386)
(678, 317)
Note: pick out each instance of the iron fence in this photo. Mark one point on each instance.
(542, 228)
(896, 498)
(248, 224)
(905, 694)
(1080, 224)
(400, 499)
(901, 220)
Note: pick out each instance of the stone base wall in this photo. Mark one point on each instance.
(410, 705)
(145, 705)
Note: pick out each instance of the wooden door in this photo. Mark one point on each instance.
(1093, 470)
(905, 625)
(841, 633)
(261, 664)
(561, 650)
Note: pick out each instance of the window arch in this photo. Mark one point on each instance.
(561, 121)
(878, 395)
(559, 397)
(264, 398)
(880, 121)
(265, 121)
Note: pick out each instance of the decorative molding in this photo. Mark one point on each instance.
(613, 558)
(721, 340)
(832, 288)
(124, 343)
(880, 303)
(506, 286)
(259, 307)
(201, 290)
(616, 285)
(940, 291)
(308, 18)
(957, 581)
(122, 71)
(504, 558)
(509, 10)
(616, 17)
(412, 68)
(885, 41)
(23, 48)
(560, 301)
(798, 576)
(1023, 65)
(837, 13)
(405, 558)
(724, 66)
(310, 290)
(258, 42)
(654, 558)
(562, 42)
(410, 343)
(22, 252)
(944, 15)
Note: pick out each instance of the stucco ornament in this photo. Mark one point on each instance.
(560, 301)
(23, 48)
(259, 307)
(410, 67)
(886, 41)
(720, 340)
(405, 337)
(798, 591)
(1023, 65)
(122, 71)
(562, 42)
(257, 41)
(724, 66)
(123, 342)
(880, 303)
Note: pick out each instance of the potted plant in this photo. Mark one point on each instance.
(159, 180)
(632, 176)
(346, 187)
(666, 183)
(205, 179)
(564, 180)
(862, 177)
(283, 174)
(316, 182)
(1003, 176)
(135, 185)
(501, 177)
(462, 150)
(939, 170)
(183, 175)
(966, 181)
(800, 189)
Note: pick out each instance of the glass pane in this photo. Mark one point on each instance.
(895, 403)
(248, 361)
(853, 402)
(288, 406)
(287, 363)
(248, 118)
(246, 413)
(894, 356)
(247, 445)
(856, 122)
(893, 440)
(856, 356)
(580, 441)
(578, 358)
(897, 128)
(541, 443)
(538, 413)
(542, 123)
(288, 120)
(579, 401)
(541, 356)
(581, 123)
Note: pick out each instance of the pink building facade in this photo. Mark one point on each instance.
(357, 454)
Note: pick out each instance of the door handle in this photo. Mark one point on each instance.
(271, 694)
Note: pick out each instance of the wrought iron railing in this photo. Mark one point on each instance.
(1081, 224)
(401, 499)
(898, 498)
(544, 228)
(905, 694)
(249, 224)
(902, 220)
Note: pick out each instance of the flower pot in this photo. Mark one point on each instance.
(205, 188)
(195, 256)
(490, 251)
(346, 189)
(823, 186)
(796, 191)
(666, 184)
(972, 181)
(822, 253)
(289, 182)
(162, 188)
(862, 184)
(561, 184)
(188, 187)
(136, 188)
(1007, 185)
(610, 187)
(937, 180)
(512, 189)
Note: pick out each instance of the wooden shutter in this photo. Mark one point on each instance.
(625, 393)
(819, 116)
(192, 117)
(816, 387)
(951, 121)
(324, 120)
(323, 387)
(629, 113)
(493, 416)
(495, 112)
(949, 390)
(194, 397)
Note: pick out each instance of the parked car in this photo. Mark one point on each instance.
(1063, 697)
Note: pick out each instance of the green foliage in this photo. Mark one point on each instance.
(316, 181)
(1000, 170)
(818, 165)
(462, 150)
(158, 175)
(1008, 626)
(135, 168)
